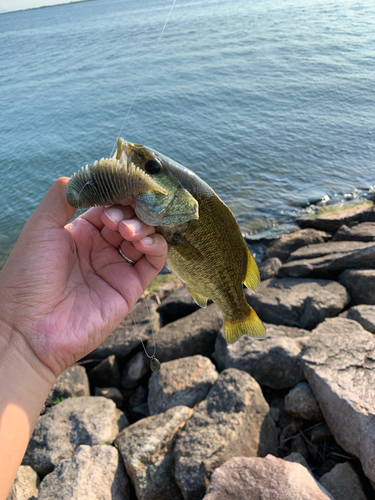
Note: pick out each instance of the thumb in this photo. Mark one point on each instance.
(54, 211)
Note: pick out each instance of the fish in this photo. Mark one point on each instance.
(206, 249)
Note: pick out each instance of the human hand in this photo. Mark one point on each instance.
(65, 287)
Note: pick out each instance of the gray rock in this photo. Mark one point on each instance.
(364, 231)
(233, 420)
(288, 243)
(268, 478)
(274, 361)
(340, 371)
(338, 325)
(332, 220)
(297, 458)
(331, 264)
(111, 393)
(300, 402)
(320, 434)
(363, 314)
(177, 305)
(360, 284)
(183, 382)
(146, 449)
(137, 325)
(194, 334)
(269, 268)
(138, 397)
(75, 421)
(324, 249)
(25, 485)
(139, 412)
(135, 370)
(92, 473)
(72, 382)
(298, 302)
(106, 373)
(343, 483)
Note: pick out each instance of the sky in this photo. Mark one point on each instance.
(10, 5)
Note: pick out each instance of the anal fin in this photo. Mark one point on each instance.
(252, 278)
(250, 325)
(199, 298)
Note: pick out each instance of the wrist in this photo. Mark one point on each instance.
(23, 391)
(19, 365)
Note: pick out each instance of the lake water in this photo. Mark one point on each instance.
(270, 101)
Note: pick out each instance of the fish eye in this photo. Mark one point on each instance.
(152, 167)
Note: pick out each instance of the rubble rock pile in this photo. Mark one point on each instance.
(290, 416)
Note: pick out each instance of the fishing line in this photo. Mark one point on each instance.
(144, 76)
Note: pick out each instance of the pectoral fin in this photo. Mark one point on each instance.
(252, 278)
(250, 325)
(200, 299)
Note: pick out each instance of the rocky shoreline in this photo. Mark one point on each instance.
(291, 416)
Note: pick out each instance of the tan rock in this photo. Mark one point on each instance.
(268, 478)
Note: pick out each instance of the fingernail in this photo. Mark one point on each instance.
(147, 240)
(114, 214)
(133, 225)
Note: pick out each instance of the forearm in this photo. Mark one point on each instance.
(23, 391)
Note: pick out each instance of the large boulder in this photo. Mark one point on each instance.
(72, 382)
(183, 381)
(138, 325)
(335, 247)
(360, 284)
(274, 361)
(146, 449)
(268, 478)
(339, 368)
(364, 231)
(75, 421)
(194, 334)
(338, 325)
(288, 243)
(92, 473)
(333, 218)
(299, 302)
(233, 420)
(331, 264)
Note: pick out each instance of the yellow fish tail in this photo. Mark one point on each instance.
(250, 325)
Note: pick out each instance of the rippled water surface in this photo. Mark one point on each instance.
(270, 101)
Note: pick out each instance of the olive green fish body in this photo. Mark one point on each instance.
(205, 247)
(210, 256)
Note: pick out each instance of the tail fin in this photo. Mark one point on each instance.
(250, 325)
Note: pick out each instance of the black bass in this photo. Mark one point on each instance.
(205, 247)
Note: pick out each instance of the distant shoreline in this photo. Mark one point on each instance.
(45, 6)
